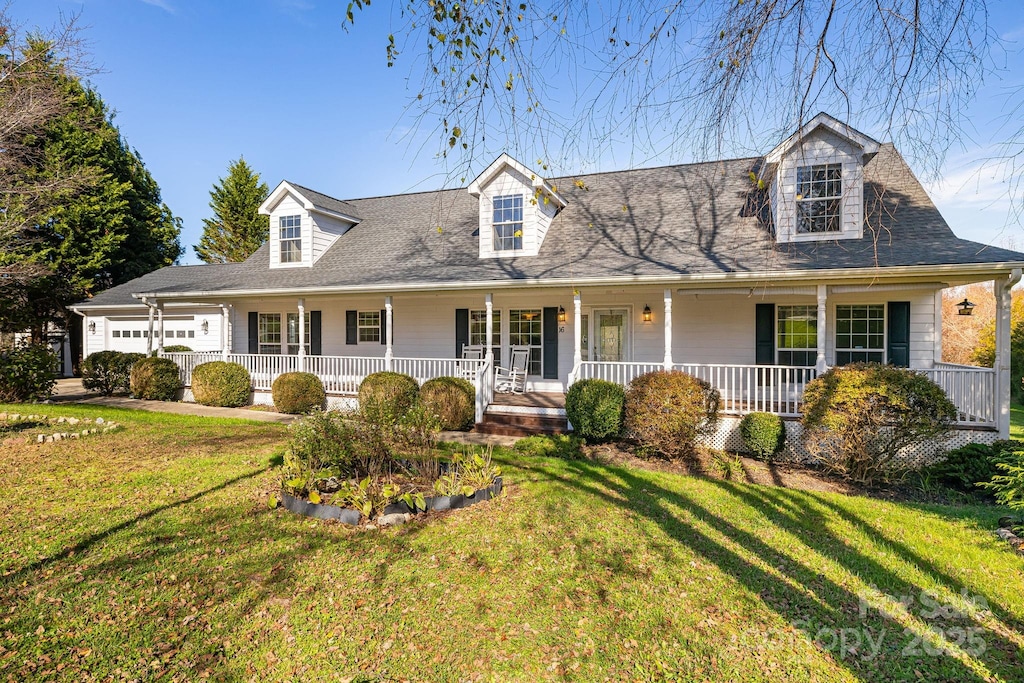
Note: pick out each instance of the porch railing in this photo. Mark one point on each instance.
(188, 361)
(343, 374)
(971, 389)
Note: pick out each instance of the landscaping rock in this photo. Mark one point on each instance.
(99, 420)
(40, 439)
(393, 519)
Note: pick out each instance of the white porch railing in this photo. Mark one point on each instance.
(264, 368)
(343, 374)
(617, 372)
(422, 369)
(188, 361)
(971, 389)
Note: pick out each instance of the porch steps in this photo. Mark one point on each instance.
(521, 420)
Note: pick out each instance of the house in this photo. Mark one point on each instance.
(756, 274)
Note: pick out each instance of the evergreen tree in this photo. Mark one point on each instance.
(236, 229)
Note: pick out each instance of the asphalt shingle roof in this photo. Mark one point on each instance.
(325, 202)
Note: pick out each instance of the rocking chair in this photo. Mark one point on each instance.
(513, 378)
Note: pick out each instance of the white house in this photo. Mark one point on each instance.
(756, 274)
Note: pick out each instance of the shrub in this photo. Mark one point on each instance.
(764, 434)
(27, 373)
(1008, 483)
(298, 392)
(109, 372)
(320, 446)
(565, 446)
(177, 348)
(964, 468)
(385, 397)
(218, 383)
(667, 411)
(858, 417)
(595, 409)
(155, 379)
(452, 400)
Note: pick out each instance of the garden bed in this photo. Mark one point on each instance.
(38, 428)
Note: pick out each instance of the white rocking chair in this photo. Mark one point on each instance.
(513, 378)
(468, 370)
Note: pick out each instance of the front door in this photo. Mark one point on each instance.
(610, 338)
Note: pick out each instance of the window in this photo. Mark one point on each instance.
(291, 239)
(798, 335)
(293, 333)
(169, 333)
(860, 333)
(137, 333)
(508, 222)
(478, 332)
(270, 333)
(369, 326)
(819, 191)
(191, 334)
(524, 329)
(116, 333)
(181, 334)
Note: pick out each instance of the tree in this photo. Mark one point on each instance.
(236, 229)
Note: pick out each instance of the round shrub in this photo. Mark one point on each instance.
(109, 372)
(177, 348)
(452, 400)
(764, 434)
(667, 411)
(595, 409)
(298, 392)
(155, 379)
(27, 373)
(385, 397)
(218, 383)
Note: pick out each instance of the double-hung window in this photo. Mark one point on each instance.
(508, 222)
(860, 333)
(291, 238)
(819, 192)
(270, 333)
(798, 335)
(293, 333)
(525, 329)
(369, 326)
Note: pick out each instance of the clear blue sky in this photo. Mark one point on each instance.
(197, 83)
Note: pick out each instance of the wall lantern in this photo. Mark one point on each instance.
(92, 327)
(561, 314)
(965, 307)
(647, 314)
(206, 327)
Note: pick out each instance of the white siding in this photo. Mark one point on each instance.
(180, 321)
(288, 206)
(537, 214)
(326, 230)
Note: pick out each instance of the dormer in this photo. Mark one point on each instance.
(304, 224)
(516, 208)
(817, 192)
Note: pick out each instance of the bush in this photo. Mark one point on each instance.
(155, 379)
(764, 434)
(385, 397)
(218, 383)
(1008, 483)
(27, 373)
(858, 417)
(667, 411)
(177, 348)
(320, 446)
(298, 392)
(564, 446)
(109, 372)
(969, 467)
(452, 400)
(595, 409)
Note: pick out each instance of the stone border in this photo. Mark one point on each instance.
(1005, 532)
(99, 426)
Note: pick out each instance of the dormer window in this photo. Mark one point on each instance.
(508, 222)
(291, 239)
(819, 192)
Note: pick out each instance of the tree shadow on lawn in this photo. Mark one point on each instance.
(801, 595)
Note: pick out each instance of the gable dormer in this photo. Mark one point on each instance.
(516, 209)
(304, 224)
(817, 192)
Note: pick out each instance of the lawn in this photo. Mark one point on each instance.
(150, 554)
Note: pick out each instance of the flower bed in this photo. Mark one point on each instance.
(36, 428)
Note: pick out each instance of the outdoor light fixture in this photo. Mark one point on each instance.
(206, 327)
(965, 306)
(561, 314)
(647, 314)
(92, 327)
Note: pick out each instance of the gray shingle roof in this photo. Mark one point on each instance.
(171, 277)
(326, 203)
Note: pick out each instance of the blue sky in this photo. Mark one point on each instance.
(197, 83)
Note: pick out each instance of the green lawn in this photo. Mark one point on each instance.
(150, 554)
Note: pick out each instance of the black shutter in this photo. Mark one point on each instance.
(899, 333)
(461, 330)
(383, 326)
(316, 346)
(550, 355)
(351, 327)
(254, 332)
(764, 336)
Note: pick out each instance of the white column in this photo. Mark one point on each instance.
(226, 347)
(488, 349)
(820, 365)
(302, 335)
(937, 347)
(388, 333)
(1002, 360)
(149, 339)
(668, 329)
(160, 333)
(577, 332)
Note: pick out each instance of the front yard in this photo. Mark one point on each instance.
(150, 553)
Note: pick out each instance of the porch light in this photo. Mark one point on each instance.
(206, 327)
(92, 327)
(647, 313)
(965, 307)
(561, 314)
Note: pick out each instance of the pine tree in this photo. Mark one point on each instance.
(236, 229)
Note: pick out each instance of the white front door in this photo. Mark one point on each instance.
(610, 338)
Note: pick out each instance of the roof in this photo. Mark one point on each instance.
(325, 202)
(675, 224)
(174, 277)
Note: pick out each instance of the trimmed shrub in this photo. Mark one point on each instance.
(452, 400)
(27, 373)
(177, 348)
(298, 392)
(969, 467)
(320, 446)
(858, 417)
(218, 383)
(385, 397)
(667, 411)
(155, 379)
(595, 408)
(1008, 482)
(764, 434)
(109, 372)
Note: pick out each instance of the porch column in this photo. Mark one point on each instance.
(668, 329)
(577, 332)
(488, 349)
(302, 335)
(160, 333)
(1001, 290)
(820, 364)
(388, 333)
(149, 338)
(224, 332)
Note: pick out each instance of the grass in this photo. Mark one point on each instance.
(150, 554)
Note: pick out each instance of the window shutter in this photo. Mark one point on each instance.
(383, 326)
(351, 327)
(254, 332)
(461, 330)
(550, 355)
(764, 335)
(899, 334)
(315, 336)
